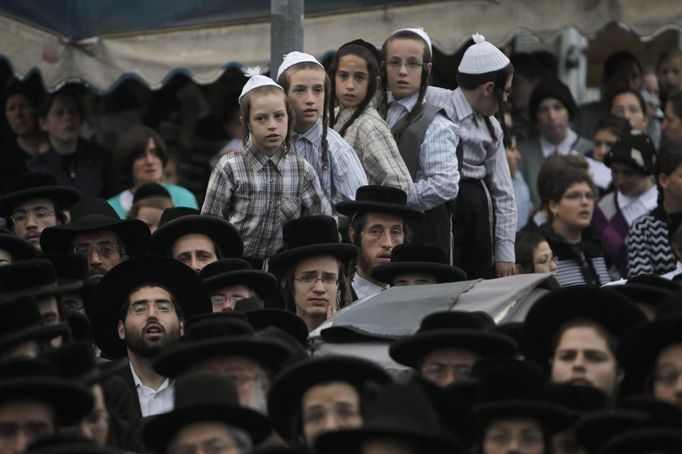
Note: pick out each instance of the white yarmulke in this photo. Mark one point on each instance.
(294, 58)
(256, 79)
(417, 31)
(482, 57)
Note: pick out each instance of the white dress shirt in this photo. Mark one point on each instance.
(364, 288)
(634, 207)
(565, 147)
(154, 402)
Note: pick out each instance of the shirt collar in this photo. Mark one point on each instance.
(564, 147)
(312, 135)
(407, 102)
(649, 198)
(138, 382)
(261, 160)
(462, 106)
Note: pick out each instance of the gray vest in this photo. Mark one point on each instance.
(413, 136)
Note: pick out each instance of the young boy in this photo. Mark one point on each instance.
(485, 221)
(306, 84)
(426, 139)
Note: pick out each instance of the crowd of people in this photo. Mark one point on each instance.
(162, 267)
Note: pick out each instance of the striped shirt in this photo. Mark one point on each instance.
(344, 173)
(437, 180)
(649, 250)
(258, 194)
(569, 272)
(483, 159)
(375, 146)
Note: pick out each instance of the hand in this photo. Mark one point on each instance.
(331, 309)
(504, 269)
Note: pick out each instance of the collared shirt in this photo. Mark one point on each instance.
(483, 159)
(437, 180)
(634, 207)
(375, 146)
(258, 194)
(154, 402)
(563, 148)
(671, 274)
(524, 205)
(343, 175)
(364, 288)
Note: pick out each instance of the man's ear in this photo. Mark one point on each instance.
(663, 180)
(428, 67)
(488, 88)
(42, 124)
(121, 329)
(552, 206)
(181, 325)
(351, 234)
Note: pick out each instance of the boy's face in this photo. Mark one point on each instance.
(268, 121)
(404, 63)
(306, 94)
(670, 74)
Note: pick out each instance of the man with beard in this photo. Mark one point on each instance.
(98, 234)
(138, 309)
(378, 222)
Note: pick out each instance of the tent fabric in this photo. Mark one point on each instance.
(106, 41)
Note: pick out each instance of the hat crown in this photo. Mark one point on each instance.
(309, 231)
(204, 388)
(457, 320)
(212, 327)
(506, 379)
(381, 194)
(224, 266)
(19, 314)
(482, 57)
(637, 150)
(149, 190)
(29, 180)
(73, 359)
(294, 58)
(418, 253)
(93, 207)
(170, 214)
(27, 275)
(403, 408)
(68, 266)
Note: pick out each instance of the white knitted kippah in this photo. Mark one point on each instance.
(417, 31)
(294, 58)
(256, 80)
(482, 57)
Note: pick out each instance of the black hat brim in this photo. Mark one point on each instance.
(70, 401)
(134, 234)
(62, 197)
(411, 350)
(159, 430)
(342, 251)
(614, 312)
(219, 230)
(552, 418)
(443, 273)
(351, 207)
(351, 441)
(286, 393)
(261, 282)
(179, 358)
(40, 333)
(104, 305)
(642, 293)
(18, 248)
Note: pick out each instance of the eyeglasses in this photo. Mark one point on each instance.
(140, 307)
(411, 65)
(32, 430)
(209, 446)
(578, 196)
(311, 279)
(525, 437)
(21, 216)
(105, 249)
(220, 299)
(546, 260)
(342, 412)
(439, 370)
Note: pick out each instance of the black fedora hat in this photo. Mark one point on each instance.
(578, 400)
(35, 380)
(595, 429)
(199, 397)
(36, 277)
(20, 321)
(178, 221)
(36, 185)
(309, 237)
(645, 440)
(76, 360)
(400, 412)
(646, 289)
(514, 389)
(219, 335)
(18, 248)
(288, 388)
(226, 272)
(94, 214)
(467, 330)
(287, 321)
(383, 199)
(418, 258)
(104, 306)
(613, 311)
(635, 150)
(66, 443)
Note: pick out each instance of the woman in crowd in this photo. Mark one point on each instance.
(144, 157)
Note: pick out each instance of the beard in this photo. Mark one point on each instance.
(149, 349)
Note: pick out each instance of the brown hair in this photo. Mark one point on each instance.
(133, 143)
(245, 108)
(283, 80)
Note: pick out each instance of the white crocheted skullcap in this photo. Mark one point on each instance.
(256, 80)
(419, 32)
(294, 58)
(482, 57)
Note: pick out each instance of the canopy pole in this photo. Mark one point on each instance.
(286, 30)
